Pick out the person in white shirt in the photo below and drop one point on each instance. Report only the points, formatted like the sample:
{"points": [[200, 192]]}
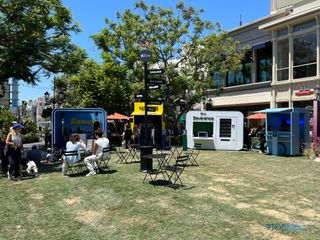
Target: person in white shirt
{"points": [[75, 144], [99, 144]]}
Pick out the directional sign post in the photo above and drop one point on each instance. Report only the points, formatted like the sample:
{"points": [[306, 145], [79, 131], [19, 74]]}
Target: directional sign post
{"points": [[145, 56], [153, 87], [156, 101], [140, 95], [155, 71], [155, 81]]}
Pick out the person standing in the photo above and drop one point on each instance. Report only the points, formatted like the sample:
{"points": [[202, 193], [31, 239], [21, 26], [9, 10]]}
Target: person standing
{"points": [[127, 134], [15, 144], [100, 143], [75, 144]]}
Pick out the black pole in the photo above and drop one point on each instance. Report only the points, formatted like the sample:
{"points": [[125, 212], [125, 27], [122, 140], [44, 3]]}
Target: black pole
{"points": [[145, 142]]}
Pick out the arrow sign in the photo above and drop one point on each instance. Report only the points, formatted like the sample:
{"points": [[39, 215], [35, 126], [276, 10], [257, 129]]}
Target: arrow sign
{"points": [[155, 102], [155, 81], [153, 87], [140, 95], [155, 71], [151, 109]]}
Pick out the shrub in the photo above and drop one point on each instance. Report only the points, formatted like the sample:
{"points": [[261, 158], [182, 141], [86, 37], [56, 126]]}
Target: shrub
{"points": [[30, 137]]}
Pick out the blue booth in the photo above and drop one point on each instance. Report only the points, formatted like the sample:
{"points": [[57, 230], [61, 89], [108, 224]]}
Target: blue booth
{"points": [[287, 130], [83, 121]]}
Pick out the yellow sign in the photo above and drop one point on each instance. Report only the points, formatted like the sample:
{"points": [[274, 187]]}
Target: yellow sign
{"points": [[151, 109]]}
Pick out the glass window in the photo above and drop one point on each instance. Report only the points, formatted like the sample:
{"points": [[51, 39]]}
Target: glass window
{"points": [[264, 63], [282, 32], [305, 25], [305, 55], [283, 60], [225, 127], [244, 76], [217, 77]]}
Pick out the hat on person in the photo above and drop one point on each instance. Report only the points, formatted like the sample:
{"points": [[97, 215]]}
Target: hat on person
{"points": [[34, 146], [17, 125]]}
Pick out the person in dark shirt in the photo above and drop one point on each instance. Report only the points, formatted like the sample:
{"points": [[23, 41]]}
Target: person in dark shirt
{"points": [[34, 154]]}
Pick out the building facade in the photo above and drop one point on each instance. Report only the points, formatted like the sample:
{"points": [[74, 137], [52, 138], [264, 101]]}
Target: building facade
{"points": [[282, 64]]}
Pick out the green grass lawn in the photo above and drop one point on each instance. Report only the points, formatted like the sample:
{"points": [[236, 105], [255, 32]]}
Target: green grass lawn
{"points": [[231, 195]]}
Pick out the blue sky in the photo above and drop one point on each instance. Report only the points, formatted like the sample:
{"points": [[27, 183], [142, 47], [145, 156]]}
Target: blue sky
{"points": [[91, 14]]}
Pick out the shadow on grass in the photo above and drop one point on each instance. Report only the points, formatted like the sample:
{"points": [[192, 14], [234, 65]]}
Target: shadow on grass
{"points": [[84, 173], [167, 183]]}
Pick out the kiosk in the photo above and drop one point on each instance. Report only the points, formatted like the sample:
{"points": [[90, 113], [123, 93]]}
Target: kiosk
{"points": [[155, 124], [83, 121], [215, 129], [287, 130]]}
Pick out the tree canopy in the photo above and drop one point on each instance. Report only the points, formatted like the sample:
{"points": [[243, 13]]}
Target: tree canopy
{"points": [[35, 40], [188, 48]]}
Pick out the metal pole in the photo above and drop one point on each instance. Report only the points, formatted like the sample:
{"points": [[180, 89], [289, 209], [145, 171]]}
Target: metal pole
{"points": [[145, 103]]}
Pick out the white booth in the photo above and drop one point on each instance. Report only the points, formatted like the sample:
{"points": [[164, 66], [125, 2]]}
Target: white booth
{"points": [[221, 130]]}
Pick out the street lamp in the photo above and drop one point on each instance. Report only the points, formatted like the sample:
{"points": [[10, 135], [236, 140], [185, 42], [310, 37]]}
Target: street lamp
{"points": [[46, 97]]}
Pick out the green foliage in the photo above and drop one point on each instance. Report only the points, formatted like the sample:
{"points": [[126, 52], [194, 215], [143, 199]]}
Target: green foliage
{"points": [[98, 86], [30, 137], [187, 47], [30, 127], [6, 118], [35, 39]]}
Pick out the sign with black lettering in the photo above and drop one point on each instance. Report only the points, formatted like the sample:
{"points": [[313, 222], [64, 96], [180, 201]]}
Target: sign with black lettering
{"points": [[155, 81], [155, 71], [153, 87]]}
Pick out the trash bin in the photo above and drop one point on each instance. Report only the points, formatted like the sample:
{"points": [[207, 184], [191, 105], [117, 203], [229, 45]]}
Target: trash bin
{"points": [[145, 163], [184, 140]]}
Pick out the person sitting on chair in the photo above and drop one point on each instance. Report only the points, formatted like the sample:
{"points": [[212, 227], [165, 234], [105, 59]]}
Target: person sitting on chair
{"points": [[75, 144], [99, 144]]}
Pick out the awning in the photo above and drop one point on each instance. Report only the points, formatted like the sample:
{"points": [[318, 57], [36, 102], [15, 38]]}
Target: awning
{"points": [[117, 116], [274, 110], [256, 116]]}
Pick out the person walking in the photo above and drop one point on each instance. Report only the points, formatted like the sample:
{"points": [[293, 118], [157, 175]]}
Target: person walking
{"points": [[15, 144], [100, 143]]}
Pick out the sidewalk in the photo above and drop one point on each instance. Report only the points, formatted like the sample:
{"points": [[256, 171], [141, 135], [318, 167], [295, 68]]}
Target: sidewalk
{"points": [[29, 145]]}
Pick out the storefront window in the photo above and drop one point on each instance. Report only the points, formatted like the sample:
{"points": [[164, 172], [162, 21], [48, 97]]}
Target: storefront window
{"points": [[283, 60], [244, 76], [217, 77], [264, 63], [305, 55]]}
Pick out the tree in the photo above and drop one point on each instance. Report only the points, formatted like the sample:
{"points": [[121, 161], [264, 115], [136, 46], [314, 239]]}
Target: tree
{"points": [[188, 48], [35, 40], [97, 85], [6, 118]]}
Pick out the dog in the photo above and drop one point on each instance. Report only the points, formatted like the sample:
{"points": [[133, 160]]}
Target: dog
{"points": [[32, 169]]}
